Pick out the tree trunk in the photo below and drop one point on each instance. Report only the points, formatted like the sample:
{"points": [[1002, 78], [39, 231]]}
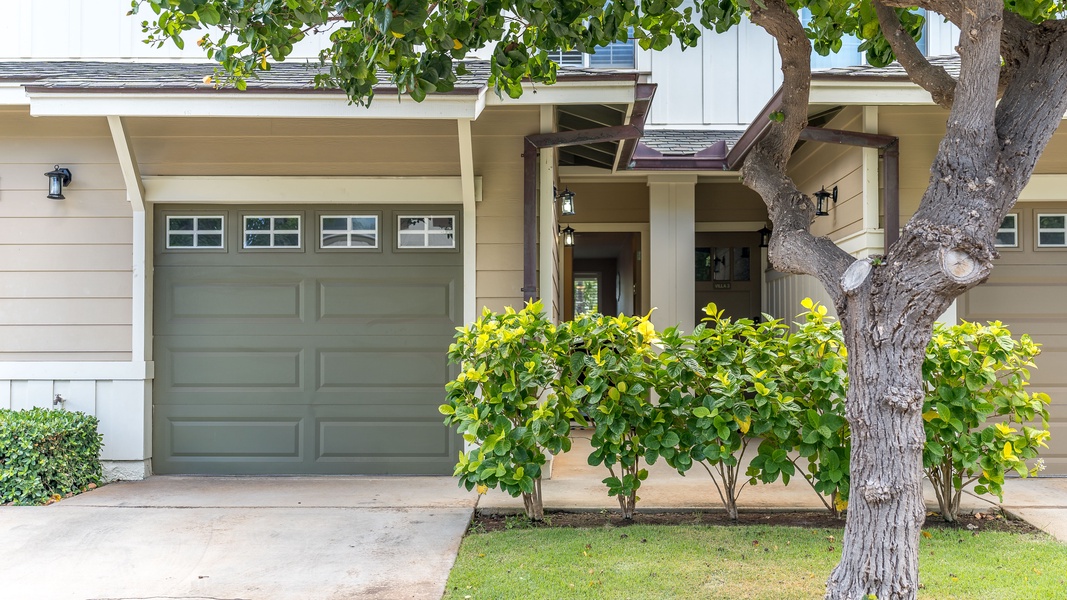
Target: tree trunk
{"points": [[880, 549], [535, 508]]}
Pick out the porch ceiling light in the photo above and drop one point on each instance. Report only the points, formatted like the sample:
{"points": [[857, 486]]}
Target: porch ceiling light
{"points": [[566, 202], [568, 236], [764, 236], [821, 204], [57, 178]]}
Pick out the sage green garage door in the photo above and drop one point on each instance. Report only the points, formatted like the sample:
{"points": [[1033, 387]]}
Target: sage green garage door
{"points": [[313, 340]]}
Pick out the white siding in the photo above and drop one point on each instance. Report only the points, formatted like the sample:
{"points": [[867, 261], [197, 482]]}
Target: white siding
{"points": [[94, 29], [119, 405], [785, 292], [723, 82]]}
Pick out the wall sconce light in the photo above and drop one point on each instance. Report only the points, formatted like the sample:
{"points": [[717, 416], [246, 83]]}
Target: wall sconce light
{"points": [[764, 236], [821, 204], [568, 236], [566, 202], [57, 178]]}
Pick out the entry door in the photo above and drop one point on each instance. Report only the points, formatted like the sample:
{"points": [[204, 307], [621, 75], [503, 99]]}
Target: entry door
{"points": [[728, 273], [304, 339]]}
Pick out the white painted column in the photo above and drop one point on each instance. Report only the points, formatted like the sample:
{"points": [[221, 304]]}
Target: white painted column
{"points": [[672, 289], [547, 265], [871, 187], [470, 221]]}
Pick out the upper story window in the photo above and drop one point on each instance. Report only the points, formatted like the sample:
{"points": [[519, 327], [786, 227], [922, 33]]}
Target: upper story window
{"points": [[849, 55], [616, 55]]}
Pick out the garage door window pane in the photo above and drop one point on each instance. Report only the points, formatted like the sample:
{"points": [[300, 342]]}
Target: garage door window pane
{"points": [[281, 231], [1052, 231], [349, 231], [429, 231], [1008, 234], [194, 232]]}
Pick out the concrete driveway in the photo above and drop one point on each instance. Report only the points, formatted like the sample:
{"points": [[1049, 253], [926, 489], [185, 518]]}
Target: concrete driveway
{"points": [[239, 538]]}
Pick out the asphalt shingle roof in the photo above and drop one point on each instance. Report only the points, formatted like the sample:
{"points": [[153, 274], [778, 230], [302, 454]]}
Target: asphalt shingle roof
{"points": [[951, 64], [687, 142], [176, 76]]}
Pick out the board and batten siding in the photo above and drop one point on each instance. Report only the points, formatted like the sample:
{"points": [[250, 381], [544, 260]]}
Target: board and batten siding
{"points": [[723, 82], [65, 265]]}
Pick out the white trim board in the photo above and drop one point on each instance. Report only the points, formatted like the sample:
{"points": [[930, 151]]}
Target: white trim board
{"points": [[317, 190], [133, 104], [1045, 187], [77, 371], [715, 226]]}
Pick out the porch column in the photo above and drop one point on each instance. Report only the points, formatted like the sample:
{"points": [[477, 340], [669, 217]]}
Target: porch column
{"points": [[671, 199]]}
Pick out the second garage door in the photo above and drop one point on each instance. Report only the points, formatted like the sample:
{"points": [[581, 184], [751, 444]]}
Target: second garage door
{"points": [[296, 339]]}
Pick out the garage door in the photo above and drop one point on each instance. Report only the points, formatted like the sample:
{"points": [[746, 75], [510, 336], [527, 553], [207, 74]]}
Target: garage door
{"points": [[1027, 291], [296, 339]]}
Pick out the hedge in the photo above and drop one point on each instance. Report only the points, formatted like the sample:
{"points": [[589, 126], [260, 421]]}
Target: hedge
{"points": [[44, 453]]}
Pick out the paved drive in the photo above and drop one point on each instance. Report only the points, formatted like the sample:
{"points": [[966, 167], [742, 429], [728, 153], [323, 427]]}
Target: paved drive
{"points": [[254, 538]]}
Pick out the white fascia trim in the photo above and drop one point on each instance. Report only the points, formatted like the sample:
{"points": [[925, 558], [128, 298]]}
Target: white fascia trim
{"points": [[860, 92], [77, 371], [321, 190], [13, 95], [863, 243], [727, 226], [102, 104], [569, 92], [1047, 188]]}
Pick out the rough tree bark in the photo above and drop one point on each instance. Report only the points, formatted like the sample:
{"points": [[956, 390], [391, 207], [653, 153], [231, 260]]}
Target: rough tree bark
{"points": [[887, 308]]}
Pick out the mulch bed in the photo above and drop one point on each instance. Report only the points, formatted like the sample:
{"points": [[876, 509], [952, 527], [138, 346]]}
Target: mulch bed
{"points": [[808, 520]]}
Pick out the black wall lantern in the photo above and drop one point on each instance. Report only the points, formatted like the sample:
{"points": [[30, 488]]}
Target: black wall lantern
{"points": [[57, 178], [821, 204], [566, 202], [764, 236], [568, 236]]}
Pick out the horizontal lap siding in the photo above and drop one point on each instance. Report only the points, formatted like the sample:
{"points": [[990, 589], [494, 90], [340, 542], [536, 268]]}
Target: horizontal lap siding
{"points": [[820, 165], [1026, 291], [497, 139], [65, 265]]}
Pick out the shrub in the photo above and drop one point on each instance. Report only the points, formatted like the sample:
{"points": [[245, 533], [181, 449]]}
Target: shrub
{"points": [[974, 372], [504, 400], [813, 383], [719, 384], [609, 373], [44, 453]]}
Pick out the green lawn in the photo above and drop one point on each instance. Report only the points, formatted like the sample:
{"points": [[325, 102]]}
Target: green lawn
{"points": [[694, 561]]}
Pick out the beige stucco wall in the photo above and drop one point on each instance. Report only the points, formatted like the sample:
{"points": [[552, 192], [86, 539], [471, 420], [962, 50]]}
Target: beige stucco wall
{"points": [[65, 265], [609, 202]]}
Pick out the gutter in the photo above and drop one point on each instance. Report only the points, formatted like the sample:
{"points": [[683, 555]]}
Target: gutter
{"points": [[532, 144]]}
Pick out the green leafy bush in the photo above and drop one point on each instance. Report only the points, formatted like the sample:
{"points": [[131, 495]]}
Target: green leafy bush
{"points": [[812, 382], [505, 401], [974, 372], [719, 385], [610, 373], [44, 453]]}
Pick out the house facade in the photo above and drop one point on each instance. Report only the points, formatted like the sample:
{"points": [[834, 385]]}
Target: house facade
{"points": [[266, 281]]}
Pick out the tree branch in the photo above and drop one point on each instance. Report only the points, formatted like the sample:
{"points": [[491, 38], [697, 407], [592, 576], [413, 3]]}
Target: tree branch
{"points": [[933, 79], [792, 246]]}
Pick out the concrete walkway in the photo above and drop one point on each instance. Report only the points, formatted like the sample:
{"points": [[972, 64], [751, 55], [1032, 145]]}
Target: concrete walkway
{"points": [[256, 538]]}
